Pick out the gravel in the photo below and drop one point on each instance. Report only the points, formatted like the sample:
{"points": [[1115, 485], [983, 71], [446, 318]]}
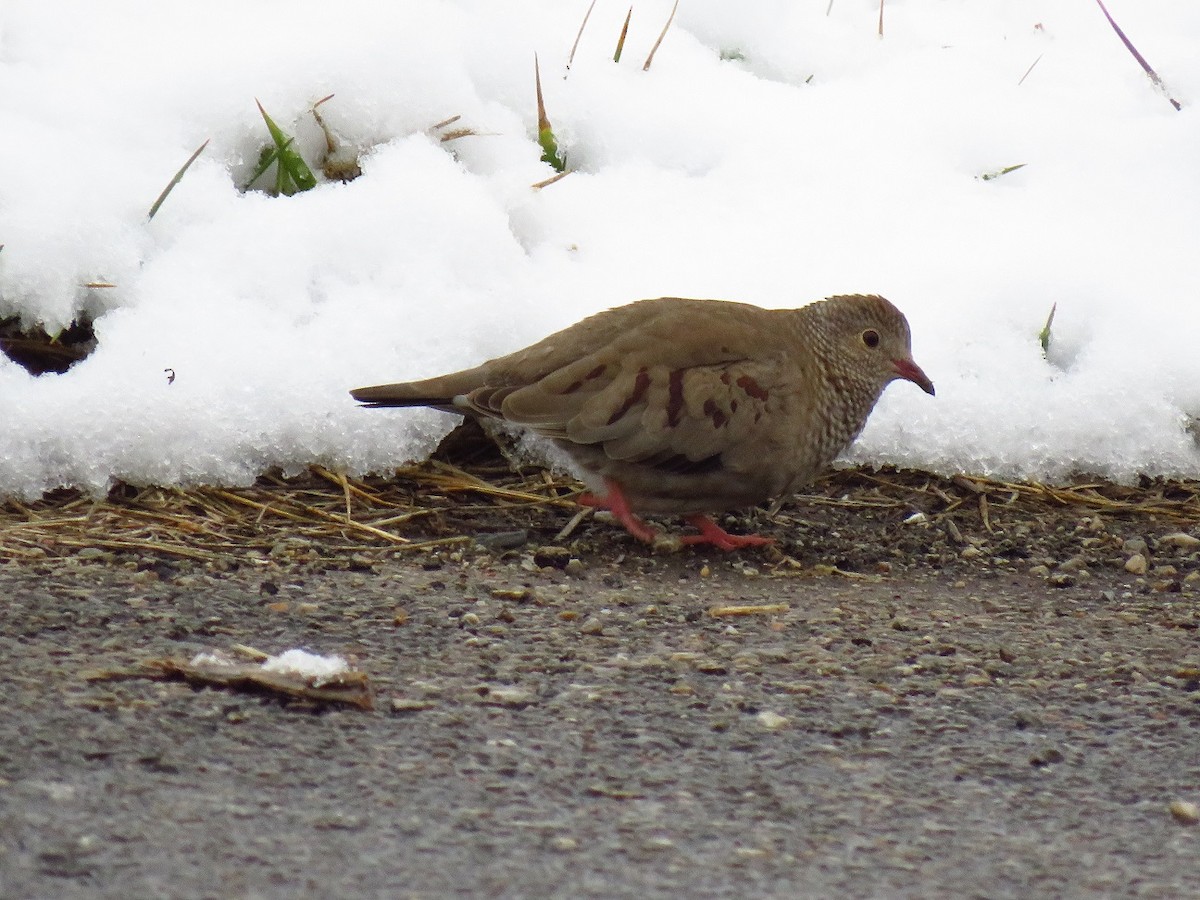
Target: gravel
{"points": [[891, 705]]}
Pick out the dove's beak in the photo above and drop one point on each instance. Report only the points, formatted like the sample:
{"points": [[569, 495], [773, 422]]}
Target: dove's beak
{"points": [[910, 371]]}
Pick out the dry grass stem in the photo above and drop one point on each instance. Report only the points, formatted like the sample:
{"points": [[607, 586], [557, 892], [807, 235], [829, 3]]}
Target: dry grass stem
{"points": [[579, 35], [663, 34]]}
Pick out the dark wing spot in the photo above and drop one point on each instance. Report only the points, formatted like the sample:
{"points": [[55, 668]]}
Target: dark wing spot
{"points": [[641, 384], [718, 418], [675, 398], [752, 388], [595, 373]]}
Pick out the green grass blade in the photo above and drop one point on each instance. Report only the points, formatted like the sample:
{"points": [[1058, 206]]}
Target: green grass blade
{"points": [[174, 181], [992, 176], [1044, 334], [546, 138], [293, 173]]}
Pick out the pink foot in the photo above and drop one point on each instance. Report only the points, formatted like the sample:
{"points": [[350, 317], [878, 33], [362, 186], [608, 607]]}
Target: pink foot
{"points": [[712, 533], [616, 503]]}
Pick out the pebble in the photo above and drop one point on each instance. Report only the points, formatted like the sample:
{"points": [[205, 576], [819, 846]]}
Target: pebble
{"points": [[407, 704], [1136, 564], [591, 625], [1185, 812], [507, 696], [503, 540], [552, 557], [1135, 545], [772, 721], [1180, 539]]}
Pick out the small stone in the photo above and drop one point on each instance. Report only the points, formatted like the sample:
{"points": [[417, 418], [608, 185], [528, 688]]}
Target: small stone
{"points": [[971, 552], [772, 721], [1185, 812], [564, 844], [1061, 579], [1180, 539], [407, 704], [1046, 757], [575, 568], [1039, 571], [1135, 545], [503, 540], [520, 595], [1136, 564], [658, 843], [506, 696], [469, 618], [591, 625], [749, 852], [552, 557]]}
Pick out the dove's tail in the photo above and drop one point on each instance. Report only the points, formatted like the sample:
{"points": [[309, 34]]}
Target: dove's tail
{"points": [[403, 394], [439, 392]]}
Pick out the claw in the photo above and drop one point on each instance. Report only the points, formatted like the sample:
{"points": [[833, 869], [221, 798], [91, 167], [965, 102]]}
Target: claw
{"points": [[712, 533]]}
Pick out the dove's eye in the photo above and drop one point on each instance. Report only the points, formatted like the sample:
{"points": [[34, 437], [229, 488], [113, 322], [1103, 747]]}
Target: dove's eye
{"points": [[870, 337]]}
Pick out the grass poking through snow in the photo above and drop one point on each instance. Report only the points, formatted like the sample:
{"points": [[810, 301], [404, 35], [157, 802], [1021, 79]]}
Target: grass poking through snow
{"points": [[546, 138], [292, 174], [1044, 334], [621, 39], [1158, 82], [992, 176], [174, 181], [654, 49]]}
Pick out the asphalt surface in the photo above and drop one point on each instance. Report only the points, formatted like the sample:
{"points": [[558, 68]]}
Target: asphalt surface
{"points": [[948, 724]]}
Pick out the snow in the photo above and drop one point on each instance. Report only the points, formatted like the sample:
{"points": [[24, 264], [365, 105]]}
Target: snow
{"points": [[303, 664], [298, 663], [821, 159]]}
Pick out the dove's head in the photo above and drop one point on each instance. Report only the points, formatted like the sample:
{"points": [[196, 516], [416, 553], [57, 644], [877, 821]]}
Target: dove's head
{"points": [[870, 337]]}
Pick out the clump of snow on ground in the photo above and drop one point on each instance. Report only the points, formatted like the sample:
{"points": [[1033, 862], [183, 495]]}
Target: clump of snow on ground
{"points": [[306, 665], [772, 154]]}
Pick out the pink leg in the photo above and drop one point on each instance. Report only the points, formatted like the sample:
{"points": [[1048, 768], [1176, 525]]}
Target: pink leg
{"points": [[616, 503], [712, 533]]}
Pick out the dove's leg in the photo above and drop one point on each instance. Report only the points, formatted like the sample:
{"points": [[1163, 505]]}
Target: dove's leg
{"points": [[616, 503], [712, 533]]}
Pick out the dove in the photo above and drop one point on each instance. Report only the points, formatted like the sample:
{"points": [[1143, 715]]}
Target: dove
{"points": [[688, 407]]}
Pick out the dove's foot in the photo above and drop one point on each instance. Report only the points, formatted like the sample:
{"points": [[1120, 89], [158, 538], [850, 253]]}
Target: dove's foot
{"points": [[712, 533], [616, 503]]}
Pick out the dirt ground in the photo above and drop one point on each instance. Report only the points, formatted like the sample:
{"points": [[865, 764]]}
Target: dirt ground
{"points": [[931, 695]]}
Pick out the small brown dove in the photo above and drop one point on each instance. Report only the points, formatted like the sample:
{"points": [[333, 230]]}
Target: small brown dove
{"points": [[690, 407]]}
